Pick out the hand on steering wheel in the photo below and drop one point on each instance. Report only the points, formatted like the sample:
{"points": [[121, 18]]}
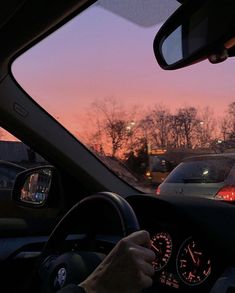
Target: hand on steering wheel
{"points": [[128, 267], [131, 255]]}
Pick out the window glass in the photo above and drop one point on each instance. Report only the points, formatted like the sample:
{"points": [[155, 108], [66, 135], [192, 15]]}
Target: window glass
{"points": [[97, 75], [201, 171], [15, 157]]}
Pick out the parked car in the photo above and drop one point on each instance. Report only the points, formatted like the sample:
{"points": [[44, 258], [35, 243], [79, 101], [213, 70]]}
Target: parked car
{"points": [[208, 176]]}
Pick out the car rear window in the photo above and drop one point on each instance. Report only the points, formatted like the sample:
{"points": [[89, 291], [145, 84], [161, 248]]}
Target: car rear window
{"points": [[201, 170]]}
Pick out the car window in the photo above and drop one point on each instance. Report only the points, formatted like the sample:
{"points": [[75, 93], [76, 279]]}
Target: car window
{"points": [[201, 171], [8, 175], [16, 157], [97, 75]]}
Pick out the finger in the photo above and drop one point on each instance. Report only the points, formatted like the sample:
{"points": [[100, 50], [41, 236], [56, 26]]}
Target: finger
{"points": [[147, 269], [140, 238], [143, 253], [145, 281]]}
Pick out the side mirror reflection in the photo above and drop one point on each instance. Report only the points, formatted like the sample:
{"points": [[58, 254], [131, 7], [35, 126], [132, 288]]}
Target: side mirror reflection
{"points": [[36, 187]]}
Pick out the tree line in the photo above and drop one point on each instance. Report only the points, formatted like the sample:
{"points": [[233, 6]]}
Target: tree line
{"points": [[119, 131]]}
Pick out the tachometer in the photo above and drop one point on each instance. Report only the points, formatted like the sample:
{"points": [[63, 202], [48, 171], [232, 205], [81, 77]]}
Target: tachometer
{"points": [[193, 265], [162, 247]]}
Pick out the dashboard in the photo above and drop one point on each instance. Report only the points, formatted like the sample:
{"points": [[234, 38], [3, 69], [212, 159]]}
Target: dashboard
{"points": [[192, 239], [180, 262]]}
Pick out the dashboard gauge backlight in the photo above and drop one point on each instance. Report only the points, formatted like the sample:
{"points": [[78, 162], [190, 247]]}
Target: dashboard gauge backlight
{"points": [[161, 244], [169, 279], [193, 265]]}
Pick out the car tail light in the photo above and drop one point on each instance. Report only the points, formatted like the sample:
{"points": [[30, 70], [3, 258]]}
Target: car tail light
{"points": [[158, 191], [226, 193]]}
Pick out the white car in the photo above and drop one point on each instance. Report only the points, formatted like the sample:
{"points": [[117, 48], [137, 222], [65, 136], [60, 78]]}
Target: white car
{"points": [[208, 176]]}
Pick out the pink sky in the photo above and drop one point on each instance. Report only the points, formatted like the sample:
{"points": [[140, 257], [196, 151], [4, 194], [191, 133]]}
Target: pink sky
{"points": [[100, 55]]}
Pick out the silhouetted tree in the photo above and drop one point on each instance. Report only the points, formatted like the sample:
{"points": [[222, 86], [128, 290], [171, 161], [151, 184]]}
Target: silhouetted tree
{"points": [[113, 128], [206, 127], [162, 126], [187, 122]]}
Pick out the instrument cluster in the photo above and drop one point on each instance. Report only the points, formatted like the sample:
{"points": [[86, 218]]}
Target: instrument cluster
{"points": [[181, 264]]}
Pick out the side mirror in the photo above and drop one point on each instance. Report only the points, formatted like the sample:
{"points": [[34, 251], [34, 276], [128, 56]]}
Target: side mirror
{"points": [[32, 187], [197, 30]]}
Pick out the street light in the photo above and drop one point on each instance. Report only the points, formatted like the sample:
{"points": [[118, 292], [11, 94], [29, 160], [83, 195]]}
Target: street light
{"points": [[130, 125]]}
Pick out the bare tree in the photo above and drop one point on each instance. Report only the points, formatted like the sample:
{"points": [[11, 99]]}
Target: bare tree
{"points": [[146, 127], [110, 131], [162, 124], [187, 123], [117, 131], [177, 140], [171, 130], [206, 128], [120, 132], [229, 121], [225, 128]]}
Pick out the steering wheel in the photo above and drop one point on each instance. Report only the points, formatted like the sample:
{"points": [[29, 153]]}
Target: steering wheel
{"points": [[60, 267]]}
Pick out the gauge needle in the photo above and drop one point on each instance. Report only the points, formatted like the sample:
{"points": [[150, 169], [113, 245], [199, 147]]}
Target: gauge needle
{"points": [[191, 254], [155, 248]]}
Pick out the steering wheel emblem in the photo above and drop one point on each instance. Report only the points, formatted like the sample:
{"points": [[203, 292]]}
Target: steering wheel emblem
{"points": [[60, 278]]}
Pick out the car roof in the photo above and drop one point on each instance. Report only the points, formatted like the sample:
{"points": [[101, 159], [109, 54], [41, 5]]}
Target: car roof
{"points": [[222, 155]]}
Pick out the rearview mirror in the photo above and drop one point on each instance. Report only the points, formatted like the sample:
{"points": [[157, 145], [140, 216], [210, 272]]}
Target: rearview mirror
{"points": [[198, 29]]}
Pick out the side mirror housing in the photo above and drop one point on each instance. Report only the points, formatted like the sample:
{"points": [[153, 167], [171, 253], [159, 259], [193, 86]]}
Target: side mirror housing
{"points": [[33, 186]]}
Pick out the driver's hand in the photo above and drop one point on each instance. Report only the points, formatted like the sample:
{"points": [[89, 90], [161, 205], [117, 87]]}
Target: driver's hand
{"points": [[127, 268]]}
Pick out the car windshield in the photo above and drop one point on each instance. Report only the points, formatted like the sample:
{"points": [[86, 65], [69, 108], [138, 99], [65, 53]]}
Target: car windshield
{"points": [[97, 75]]}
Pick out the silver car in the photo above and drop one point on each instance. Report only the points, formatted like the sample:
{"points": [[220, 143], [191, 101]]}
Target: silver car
{"points": [[209, 176]]}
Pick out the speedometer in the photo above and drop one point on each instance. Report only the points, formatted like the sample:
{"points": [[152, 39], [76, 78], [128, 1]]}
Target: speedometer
{"points": [[161, 244], [193, 265]]}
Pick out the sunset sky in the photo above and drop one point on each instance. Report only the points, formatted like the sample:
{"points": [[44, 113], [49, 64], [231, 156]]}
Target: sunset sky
{"points": [[99, 54]]}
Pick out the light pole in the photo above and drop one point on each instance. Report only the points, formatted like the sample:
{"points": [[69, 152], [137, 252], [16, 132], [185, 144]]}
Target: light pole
{"points": [[129, 129], [202, 133]]}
